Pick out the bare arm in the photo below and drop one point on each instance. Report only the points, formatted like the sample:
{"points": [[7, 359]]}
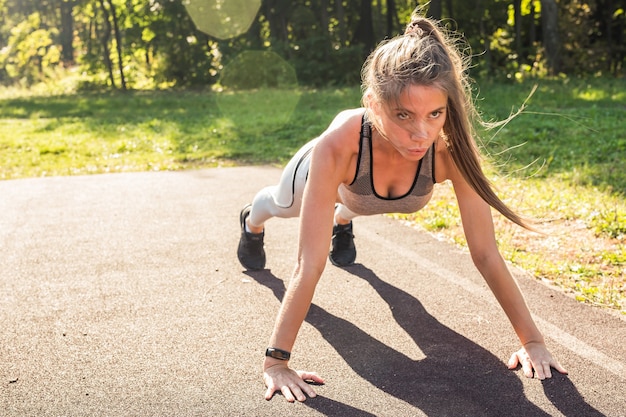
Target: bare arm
{"points": [[328, 169], [480, 235]]}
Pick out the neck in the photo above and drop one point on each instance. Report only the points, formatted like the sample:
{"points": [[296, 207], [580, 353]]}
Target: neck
{"points": [[384, 146]]}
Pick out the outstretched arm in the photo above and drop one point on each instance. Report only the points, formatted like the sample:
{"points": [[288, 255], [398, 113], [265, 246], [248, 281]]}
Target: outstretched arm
{"points": [[329, 167], [480, 235]]}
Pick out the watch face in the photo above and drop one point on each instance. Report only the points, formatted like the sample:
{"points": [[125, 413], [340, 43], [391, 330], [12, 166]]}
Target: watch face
{"points": [[277, 354]]}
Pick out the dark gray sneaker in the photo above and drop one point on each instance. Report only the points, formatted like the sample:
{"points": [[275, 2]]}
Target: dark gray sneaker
{"points": [[343, 251], [250, 251]]}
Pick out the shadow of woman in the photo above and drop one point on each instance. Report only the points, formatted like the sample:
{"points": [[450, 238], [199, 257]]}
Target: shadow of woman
{"points": [[457, 377]]}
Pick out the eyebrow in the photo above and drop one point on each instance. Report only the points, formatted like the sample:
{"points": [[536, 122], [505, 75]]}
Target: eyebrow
{"points": [[409, 111]]}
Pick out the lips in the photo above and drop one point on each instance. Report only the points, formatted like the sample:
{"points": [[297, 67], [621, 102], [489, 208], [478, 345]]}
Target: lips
{"points": [[417, 151]]}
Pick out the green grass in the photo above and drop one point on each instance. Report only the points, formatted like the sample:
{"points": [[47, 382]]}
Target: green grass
{"points": [[95, 133], [571, 129], [562, 160]]}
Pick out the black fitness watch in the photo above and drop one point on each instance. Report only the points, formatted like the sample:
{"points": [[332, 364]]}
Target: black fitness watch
{"points": [[279, 354]]}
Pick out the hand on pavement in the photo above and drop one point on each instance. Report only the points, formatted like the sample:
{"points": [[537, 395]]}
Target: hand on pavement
{"points": [[292, 384], [535, 355]]}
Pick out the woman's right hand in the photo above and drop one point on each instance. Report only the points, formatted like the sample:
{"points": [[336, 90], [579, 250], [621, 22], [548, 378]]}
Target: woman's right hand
{"points": [[292, 384]]}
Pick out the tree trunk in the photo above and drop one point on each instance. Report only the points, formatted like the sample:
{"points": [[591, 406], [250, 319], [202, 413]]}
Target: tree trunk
{"points": [[620, 53], [532, 30], [106, 36], [275, 14], [517, 17], [392, 17], [67, 32], [341, 19], [324, 19], [325, 29], [364, 33], [550, 29], [118, 44], [608, 14]]}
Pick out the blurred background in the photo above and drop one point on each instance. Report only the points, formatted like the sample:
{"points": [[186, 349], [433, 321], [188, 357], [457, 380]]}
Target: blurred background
{"points": [[138, 44]]}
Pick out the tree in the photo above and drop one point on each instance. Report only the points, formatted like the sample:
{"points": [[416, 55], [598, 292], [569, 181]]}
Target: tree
{"points": [[128, 43], [66, 37], [30, 51], [550, 31], [392, 17], [118, 43], [106, 37], [517, 17], [364, 33], [611, 19], [341, 22]]}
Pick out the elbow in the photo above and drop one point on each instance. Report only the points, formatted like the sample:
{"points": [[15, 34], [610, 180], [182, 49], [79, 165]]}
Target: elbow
{"points": [[309, 269], [486, 259]]}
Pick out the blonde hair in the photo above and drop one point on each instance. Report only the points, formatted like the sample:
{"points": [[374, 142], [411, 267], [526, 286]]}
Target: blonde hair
{"points": [[425, 55]]}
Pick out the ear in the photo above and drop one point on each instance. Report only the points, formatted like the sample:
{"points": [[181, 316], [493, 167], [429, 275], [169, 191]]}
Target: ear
{"points": [[374, 105]]}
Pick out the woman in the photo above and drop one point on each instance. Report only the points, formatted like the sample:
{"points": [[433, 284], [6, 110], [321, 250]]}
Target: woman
{"points": [[414, 130]]}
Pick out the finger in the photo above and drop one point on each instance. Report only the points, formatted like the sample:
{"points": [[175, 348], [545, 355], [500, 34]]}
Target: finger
{"points": [[540, 370], [287, 394], [527, 368], [556, 365], [269, 394], [514, 361], [297, 392], [308, 390], [311, 376], [522, 358], [547, 371]]}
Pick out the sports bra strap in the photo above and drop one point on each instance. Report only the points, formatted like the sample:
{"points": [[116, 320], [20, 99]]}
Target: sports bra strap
{"points": [[366, 128]]}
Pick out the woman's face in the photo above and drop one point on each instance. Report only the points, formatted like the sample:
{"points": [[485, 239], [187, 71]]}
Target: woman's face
{"points": [[414, 122]]}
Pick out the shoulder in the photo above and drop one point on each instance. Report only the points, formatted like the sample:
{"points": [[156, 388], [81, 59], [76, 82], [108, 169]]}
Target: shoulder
{"points": [[342, 135], [338, 146], [346, 122]]}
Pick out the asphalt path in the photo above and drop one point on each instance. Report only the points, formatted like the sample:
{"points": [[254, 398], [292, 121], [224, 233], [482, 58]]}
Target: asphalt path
{"points": [[121, 295]]}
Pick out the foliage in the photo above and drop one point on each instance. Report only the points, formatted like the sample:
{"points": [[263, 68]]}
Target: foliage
{"points": [[29, 52], [156, 44]]}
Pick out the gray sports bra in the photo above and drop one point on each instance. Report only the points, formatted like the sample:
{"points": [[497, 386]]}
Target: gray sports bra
{"points": [[360, 196]]}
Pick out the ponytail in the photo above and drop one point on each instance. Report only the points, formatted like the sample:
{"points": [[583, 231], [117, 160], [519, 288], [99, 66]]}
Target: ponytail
{"points": [[458, 130]]}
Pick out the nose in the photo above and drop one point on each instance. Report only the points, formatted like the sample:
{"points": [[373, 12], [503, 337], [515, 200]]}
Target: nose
{"points": [[419, 134], [419, 131]]}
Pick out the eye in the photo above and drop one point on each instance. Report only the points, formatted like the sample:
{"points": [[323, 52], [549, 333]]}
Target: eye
{"points": [[436, 113], [403, 116]]}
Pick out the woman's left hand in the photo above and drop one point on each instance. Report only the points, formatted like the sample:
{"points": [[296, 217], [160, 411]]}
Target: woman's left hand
{"points": [[535, 355]]}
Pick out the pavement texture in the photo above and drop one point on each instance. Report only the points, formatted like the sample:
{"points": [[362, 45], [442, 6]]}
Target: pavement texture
{"points": [[121, 295]]}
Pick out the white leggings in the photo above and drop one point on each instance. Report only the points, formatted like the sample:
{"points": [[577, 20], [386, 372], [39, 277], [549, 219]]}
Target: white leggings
{"points": [[285, 199]]}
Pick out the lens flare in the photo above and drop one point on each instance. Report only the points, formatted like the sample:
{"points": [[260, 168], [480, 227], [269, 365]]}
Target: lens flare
{"points": [[222, 19], [261, 86]]}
